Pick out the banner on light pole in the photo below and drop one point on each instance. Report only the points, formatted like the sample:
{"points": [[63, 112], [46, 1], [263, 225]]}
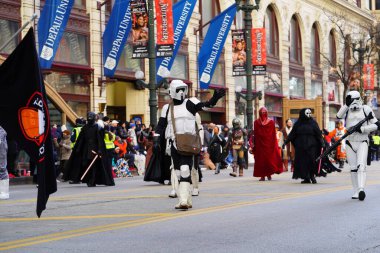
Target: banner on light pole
{"points": [[51, 26], [368, 76], [213, 45], [115, 36], [140, 29], [239, 56], [164, 23], [182, 11], [259, 53]]}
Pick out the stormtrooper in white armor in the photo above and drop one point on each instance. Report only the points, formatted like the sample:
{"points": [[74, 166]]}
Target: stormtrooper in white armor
{"points": [[357, 143], [185, 117]]}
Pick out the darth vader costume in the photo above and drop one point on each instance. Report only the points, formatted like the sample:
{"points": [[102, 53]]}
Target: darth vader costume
{"points": [[307, 140], [90, 143]]}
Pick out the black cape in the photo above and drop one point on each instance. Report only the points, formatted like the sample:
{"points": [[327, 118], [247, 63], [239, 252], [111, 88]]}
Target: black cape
{"points": [[307, 140], [158, 168], [100, 173]]}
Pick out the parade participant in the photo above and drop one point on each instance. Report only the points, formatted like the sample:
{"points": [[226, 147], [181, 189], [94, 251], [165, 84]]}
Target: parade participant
{"points": [[288, 151], [79, 122], [196, 174], [307, 140], [357, 143], [336, 134], [90, 143], [265, 147], [182, 115], [215, 149], [4, 178], [279, 138], [65, 150], [237, 143]]}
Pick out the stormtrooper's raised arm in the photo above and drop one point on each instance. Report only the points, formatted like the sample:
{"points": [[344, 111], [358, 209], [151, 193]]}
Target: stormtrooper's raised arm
{"points": [[193, 105]]}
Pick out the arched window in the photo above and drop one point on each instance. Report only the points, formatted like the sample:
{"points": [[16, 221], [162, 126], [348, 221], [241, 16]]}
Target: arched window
{"points": [[295, 41], [271, 30], [315, 51], [332, 49]]}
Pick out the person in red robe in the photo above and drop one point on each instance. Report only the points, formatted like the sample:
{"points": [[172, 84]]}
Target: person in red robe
{"points": [[265, 148]]}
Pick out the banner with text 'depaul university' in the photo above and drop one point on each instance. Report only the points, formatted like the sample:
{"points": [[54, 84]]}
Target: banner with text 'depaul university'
{"points": [[213, 45], [51, 26], [116, 34]]}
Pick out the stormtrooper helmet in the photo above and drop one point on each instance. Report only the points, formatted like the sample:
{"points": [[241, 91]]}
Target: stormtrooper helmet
{"points": [[308, 113], [236, 123], [357, 101], [178, 90]]}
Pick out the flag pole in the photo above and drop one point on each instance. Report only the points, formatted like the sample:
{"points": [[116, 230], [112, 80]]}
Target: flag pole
{"points": [[34, 16]]}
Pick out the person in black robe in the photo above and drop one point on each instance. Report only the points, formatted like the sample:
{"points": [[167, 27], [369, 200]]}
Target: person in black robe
{"points": [[89, 144], [216, 148], [307, 140]]}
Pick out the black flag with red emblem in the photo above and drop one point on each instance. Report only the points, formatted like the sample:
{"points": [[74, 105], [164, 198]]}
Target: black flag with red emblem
{"points": [[24, 113]]}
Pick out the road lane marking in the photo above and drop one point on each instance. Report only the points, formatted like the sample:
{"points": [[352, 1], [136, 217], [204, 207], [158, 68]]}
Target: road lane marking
{"points": [[139, 222], [80, 217]]}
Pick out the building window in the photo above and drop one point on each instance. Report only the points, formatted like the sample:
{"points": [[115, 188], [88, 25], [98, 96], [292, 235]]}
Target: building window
{"points": [[274, 105], [273, 82], [377, 5], [296, 86], [69, 83], [126, 63], [8, 29], [295, 42], [208, 9], [219, 75], [314, 56], [271, 30], [316, 89], [332, 49], [80, 3], [73, 49], [74, 89], [179, 68], [359, 3]]}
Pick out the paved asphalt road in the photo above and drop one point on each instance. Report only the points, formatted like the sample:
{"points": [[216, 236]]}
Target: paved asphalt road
{"points": [[230, 215]]}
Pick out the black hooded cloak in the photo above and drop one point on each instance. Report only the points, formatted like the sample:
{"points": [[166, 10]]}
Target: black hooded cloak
{"points": [[90, 138], [307, 140]]}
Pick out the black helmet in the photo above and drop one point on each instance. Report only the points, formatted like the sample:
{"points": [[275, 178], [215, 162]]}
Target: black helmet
{"points": [[79, 122], [91, 117]]}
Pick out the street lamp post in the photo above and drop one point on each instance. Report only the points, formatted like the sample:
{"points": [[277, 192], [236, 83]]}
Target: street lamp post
{"points": [[247, 8], [152, 67]]}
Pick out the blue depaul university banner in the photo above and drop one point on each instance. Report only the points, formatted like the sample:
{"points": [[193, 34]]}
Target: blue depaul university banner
{"points": [[182, 11], [213, 44], [51, 25], [115, 35]]}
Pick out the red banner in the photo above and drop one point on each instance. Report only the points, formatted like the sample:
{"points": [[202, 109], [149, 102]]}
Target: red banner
{"points": [[165, 30], [368, 76], [259, 54]]}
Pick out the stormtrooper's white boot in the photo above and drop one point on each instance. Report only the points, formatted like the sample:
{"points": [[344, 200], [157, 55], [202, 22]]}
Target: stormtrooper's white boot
{"points": [[354, 180], [183, 196], [4, 189], [174, 182], [362, 177], [195, 181]]}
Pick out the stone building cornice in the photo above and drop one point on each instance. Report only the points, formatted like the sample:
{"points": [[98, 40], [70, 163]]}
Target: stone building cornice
{"points": [[345, 5]]}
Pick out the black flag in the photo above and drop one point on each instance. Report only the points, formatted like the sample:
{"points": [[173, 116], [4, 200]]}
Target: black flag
{"points": [[24, 113]]}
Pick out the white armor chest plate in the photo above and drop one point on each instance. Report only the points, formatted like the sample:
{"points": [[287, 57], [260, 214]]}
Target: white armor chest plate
{"points": [[354, 117], [184, 121]]}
